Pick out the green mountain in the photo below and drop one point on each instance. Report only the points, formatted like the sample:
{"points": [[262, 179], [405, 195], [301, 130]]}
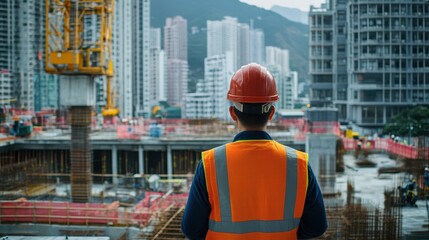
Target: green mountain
{"points": [[279, 31], [292, 14]]}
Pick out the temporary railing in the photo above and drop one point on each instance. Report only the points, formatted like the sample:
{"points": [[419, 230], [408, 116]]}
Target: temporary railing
{"points": [[58, 212], [387, 145], [154, 203]]}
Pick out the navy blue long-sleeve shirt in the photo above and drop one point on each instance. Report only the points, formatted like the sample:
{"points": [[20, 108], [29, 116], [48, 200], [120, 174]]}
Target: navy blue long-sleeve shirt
{"points": [[196, 217]]}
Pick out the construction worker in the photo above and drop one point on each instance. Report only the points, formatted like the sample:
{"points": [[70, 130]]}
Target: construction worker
{"points": [[253, 187], [410, 193], [426, 177]]}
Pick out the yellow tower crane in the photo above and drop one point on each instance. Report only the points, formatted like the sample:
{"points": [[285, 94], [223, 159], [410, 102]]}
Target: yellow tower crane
{"points": [[74, 54], [69, 53], [109, 111]]}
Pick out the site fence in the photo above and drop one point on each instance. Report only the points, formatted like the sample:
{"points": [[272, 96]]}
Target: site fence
{"points": [[390, 146]]}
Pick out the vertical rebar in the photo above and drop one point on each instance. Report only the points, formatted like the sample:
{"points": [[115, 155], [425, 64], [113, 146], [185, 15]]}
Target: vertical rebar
{"points": [[81, 154]]}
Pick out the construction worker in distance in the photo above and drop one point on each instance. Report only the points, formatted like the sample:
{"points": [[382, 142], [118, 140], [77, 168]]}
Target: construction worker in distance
{"points": [[426, 177], [254, 187]]}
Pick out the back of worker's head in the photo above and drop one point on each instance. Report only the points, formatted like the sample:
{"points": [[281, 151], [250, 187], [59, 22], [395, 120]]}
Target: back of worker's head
{"points": [[252, 92]]}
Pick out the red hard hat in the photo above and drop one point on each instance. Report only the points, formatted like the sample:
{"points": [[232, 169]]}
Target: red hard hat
{"points": [[252, 83]]}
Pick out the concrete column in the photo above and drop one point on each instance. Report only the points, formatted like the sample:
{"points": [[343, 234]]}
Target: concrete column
{"points": [[321, 149], [78, 93], [169, 162], [115, 164], [141, 160]]}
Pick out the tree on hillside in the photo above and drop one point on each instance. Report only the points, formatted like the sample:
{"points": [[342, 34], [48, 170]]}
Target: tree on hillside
{"points": [[410, 122]]}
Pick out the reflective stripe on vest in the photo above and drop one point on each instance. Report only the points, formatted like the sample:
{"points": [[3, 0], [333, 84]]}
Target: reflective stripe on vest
{"points": [[226, 225]]}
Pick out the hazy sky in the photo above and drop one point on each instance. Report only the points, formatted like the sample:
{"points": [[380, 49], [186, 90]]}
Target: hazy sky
{"points": [[303, 5]]}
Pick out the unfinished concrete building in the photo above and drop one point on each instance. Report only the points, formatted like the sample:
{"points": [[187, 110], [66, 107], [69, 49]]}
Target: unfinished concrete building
{"points": [[375, 65]]}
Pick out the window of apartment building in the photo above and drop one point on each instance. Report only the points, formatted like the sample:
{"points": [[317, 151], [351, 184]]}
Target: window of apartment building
{"points": [[363, 22], [341, 29], [355, 10], [327, 35], [395, 9], [363, 9], [327, 20], [341, 15], [372, 9], [368, 114]]}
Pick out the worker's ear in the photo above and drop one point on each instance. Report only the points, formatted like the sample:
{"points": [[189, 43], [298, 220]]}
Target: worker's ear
{"points": [[232, 113], [272, 111]]}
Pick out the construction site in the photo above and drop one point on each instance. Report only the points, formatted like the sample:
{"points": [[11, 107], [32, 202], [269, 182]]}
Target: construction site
{"points": [[135, 185], [78, 178]]}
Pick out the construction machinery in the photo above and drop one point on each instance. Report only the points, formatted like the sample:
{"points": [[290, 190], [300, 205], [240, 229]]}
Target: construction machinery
{"points": [[80, 57], [349, 133], [21, 126], [109, 111]]}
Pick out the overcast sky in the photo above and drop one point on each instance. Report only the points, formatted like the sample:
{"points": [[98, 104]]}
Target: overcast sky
{"points": [[303, 5]]}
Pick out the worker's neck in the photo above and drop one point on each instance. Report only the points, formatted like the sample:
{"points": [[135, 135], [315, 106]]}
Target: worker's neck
{"points": [[252, 129], [242, 128]]}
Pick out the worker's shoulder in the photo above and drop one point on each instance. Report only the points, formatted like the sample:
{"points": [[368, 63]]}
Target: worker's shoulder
{"points": [[291, 148]]}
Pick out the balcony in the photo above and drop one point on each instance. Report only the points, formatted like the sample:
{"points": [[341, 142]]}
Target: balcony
{"points": [[321, 86], [321, 71]]}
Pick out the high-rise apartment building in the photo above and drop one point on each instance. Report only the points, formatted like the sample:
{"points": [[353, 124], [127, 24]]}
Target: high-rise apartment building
{"points": [[141, 58], [244, 51], [6, 96], [320, 56], [177, 81], [277, 56], [228, 35], [122, 55], [46, 91], [257, 46], [370, 59], [22, 46], [210, 99], [277, 62], [176, 38], [5, 35], [176, 52], [222, 37], [6, 84], [198, 105], [157, 90]]}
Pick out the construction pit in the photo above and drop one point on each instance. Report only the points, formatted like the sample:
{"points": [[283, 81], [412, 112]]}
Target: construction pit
{"points": [[35, 191]]}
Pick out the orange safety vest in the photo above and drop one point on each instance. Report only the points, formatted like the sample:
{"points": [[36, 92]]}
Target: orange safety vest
{"points": [[256, 190]]}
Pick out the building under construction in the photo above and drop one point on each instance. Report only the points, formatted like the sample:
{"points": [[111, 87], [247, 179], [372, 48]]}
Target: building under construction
{"points": [[138, 183]]}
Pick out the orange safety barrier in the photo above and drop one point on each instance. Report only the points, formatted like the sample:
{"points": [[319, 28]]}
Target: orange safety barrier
{"points": [[317, 127], [58, 212], [21, 211], [6, 139], [387, 145]]}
